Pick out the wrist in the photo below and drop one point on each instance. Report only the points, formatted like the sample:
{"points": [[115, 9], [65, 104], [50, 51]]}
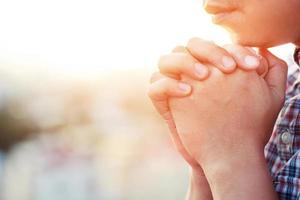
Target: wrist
{"points": [[227, 166], [242, 175], [199, 188], [230, 150]]}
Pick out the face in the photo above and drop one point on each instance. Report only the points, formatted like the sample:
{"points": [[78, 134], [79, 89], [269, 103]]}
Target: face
{"points": [[260, 23]]}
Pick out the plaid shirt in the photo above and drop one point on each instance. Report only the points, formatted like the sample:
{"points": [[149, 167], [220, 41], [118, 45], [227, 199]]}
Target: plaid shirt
{"points": [[283, 150]]}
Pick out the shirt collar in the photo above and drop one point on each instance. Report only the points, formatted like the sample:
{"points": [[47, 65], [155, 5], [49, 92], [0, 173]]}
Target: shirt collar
{"points": [[297, 55]]}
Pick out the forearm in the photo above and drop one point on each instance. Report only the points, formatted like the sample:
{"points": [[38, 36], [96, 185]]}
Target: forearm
{"points": [[198, 188], [241, 176]]}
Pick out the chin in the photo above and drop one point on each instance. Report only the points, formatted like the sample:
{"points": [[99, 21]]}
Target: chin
{"points": [[254, 41]]}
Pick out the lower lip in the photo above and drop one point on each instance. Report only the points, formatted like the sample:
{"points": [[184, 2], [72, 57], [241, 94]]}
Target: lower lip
{"points": [[220, 17]]}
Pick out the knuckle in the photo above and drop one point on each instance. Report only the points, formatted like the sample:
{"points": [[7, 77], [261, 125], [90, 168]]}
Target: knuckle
{"points": [[180, 60], [186, 62], [150, 92], [198, 41], [154, 77], [164, 83], [282, 63], [155, 92], [194, 41], [161, 61], [202, 47], [174, 63], [231, 47], [157, 87], [179, 48]]}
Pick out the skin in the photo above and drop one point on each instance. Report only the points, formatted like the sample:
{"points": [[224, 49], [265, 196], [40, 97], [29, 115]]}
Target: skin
{"points": [[261, 23], [199, 187], [213, 127], [251, 24]]}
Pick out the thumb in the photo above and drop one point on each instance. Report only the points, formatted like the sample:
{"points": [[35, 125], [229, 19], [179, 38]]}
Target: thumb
{"points": [[277, 73]]}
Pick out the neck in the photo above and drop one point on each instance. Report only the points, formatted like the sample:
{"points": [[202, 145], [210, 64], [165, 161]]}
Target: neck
{"points": [[297, 43]]}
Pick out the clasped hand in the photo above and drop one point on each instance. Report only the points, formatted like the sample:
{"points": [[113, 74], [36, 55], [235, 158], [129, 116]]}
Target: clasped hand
{"points": [[220, 103]]}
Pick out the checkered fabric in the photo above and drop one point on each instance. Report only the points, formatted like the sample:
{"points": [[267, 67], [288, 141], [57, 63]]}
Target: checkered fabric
{"points": [[283, 150]]}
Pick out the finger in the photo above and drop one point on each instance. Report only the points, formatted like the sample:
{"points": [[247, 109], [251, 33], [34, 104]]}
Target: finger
{"points": [[179, 146], [156, 76], [167, 87], [163, 107], [277, 74], [161, 90], [180, 49], [245, 58], [263, 68], [206, 51], [176, 64]]}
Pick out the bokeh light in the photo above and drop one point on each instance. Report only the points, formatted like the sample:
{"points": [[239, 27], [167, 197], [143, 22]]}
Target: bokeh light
{"points": [[75, 121]]}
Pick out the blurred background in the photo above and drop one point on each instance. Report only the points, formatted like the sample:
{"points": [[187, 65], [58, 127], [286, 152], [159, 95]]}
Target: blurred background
{"points": [[75, 120]]}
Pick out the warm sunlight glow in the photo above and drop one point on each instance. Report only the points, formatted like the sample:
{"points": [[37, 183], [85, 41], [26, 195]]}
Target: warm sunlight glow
{"points": [[87, 35], [93, 34]]}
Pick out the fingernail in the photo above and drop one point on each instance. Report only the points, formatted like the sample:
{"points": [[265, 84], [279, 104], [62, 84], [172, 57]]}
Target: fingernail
{"points": [[251, 61], [228, 62], [184, 87], [201, 70]]}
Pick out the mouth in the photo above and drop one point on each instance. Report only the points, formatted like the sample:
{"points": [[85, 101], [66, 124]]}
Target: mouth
{"points": [[218, 8], [219, 12], [221, 17]]}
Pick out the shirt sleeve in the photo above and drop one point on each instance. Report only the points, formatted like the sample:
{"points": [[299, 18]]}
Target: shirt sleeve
{"points": [[283, 151], [287, 180]]}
